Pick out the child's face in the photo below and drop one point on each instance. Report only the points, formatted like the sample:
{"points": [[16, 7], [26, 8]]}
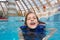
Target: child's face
{"points": [[32, 21]]}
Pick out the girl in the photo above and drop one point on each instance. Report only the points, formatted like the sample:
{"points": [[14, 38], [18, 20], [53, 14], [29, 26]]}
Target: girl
{"points": [[33, 28]]}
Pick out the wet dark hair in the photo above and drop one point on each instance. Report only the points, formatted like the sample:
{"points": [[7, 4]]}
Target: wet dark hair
{"points": [[36, 17]]}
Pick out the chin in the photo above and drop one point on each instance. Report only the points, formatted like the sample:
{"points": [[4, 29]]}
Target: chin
{"points": [[32, 27]]}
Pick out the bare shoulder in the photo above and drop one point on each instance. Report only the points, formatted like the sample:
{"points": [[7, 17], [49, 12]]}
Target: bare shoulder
{"points": [[54, 29], [20, 34], [42, 24]]}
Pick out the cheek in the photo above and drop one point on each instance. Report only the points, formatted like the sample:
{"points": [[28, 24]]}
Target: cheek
{"points": [[36, 20], [28, 22]]}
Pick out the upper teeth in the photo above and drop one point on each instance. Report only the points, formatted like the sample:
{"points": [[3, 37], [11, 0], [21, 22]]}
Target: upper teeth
{"points": [[32, 23]]}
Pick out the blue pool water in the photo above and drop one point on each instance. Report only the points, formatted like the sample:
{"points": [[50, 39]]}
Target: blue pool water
{"points": [[9, 29]]}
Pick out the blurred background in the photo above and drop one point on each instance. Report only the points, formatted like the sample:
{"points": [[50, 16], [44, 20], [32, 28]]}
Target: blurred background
{"points": [[13, 12]]}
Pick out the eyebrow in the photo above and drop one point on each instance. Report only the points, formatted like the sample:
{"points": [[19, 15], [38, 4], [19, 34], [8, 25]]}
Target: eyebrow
{"points": [[28, 17]]}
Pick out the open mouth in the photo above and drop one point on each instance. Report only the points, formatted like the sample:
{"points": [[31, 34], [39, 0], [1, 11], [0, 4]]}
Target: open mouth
{"points": [[32, 23]]}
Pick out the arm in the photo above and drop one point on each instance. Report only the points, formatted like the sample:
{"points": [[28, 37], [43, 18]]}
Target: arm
{"points": [[20, 34], [52, 31]]}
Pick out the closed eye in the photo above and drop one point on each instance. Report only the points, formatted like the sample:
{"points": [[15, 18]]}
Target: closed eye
{"points": [[28, 19]]}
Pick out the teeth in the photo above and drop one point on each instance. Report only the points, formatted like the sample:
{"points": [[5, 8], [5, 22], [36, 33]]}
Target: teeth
{"points": [[32, 23]]}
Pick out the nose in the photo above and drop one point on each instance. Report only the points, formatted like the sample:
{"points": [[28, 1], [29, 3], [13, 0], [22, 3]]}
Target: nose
{"points": [[32, 19]]}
